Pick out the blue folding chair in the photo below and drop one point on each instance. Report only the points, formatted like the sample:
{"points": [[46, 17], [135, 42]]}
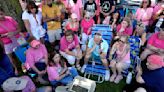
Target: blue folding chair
{"points": [[96, 68]]}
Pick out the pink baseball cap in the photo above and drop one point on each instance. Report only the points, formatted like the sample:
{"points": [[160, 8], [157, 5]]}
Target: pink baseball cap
{"points": [[156, 59], [34, 43]]}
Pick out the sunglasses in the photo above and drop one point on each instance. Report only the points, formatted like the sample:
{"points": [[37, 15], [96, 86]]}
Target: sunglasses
{"points": [[121, 41], [87, 17]]}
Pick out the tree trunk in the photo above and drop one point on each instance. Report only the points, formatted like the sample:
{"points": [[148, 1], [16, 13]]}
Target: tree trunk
{"points": [[12, 8]]}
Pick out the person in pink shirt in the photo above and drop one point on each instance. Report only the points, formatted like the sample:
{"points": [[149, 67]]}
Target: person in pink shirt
{"points": [[122, 60], [72, 24], [74, 6], [58, 71], [86, 25], [155, 45], [36, 59], [157, 8], [125, 28], [144, 13], [70, 48], [9, 28]]}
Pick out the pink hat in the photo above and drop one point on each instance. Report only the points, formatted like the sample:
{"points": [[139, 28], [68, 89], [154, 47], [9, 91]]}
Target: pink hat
{"points": [[73, 15], [34, 43], [155, 59]]}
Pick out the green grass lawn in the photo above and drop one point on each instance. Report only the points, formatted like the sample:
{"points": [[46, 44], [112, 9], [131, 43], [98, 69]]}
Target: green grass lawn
{"points": [[110, 87]]}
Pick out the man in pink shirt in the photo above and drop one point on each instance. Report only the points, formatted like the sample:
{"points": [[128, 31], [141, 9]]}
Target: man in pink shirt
{"points": [[70, 48], [155, 45], [36, 59]]}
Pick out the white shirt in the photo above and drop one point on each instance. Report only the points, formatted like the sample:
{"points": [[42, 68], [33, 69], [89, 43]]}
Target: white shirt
{"points": [[31, 19]]}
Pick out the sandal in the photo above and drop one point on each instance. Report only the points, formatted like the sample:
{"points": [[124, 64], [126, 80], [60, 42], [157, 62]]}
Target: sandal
{"points": [[118, 78], [112, 77]]}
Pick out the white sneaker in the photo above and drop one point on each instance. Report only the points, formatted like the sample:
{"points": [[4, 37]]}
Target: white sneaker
{"points": [[83, 68], [107, 75]]}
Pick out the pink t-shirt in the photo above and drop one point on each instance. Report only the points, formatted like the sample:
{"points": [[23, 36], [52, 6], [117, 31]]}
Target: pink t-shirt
{"points": [[10, 25], [35, 55], [30, 84], [75, 8], [64, 44], [156, 8], [128, 31], [86, 25], [155, 41], [144, 15], [68, 27], [53, 72], [125, 59]]}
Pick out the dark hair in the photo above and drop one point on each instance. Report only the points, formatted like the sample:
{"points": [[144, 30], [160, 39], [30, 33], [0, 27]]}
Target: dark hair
{"points": [[159, 1], [30, 5], [75, 1], [118, 19], [51, 61], [69, 33], [1, 9], [149, 1]]}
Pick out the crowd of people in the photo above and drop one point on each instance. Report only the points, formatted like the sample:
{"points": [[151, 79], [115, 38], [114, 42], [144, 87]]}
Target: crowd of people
{"points": [[67, 25]]}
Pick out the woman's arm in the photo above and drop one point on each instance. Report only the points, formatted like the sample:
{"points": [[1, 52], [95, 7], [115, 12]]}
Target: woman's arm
{"points": [[143, 38], [64, 69], [27, 25]]}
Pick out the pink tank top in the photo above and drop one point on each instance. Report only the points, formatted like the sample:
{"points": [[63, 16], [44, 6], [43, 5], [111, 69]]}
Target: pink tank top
{"points": [[119, 53], [68, 27]]}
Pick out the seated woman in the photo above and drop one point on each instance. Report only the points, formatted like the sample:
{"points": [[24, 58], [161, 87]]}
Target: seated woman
{"points": [[72, 24], [139, 31], [122, 60], [36, 59], [58, 71], [113, 20], [70, 48], [125, 28], [154, 45], [86, 25]]}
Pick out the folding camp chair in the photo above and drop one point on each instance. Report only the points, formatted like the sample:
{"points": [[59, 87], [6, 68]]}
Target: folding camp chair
{"points": [[134, 42], [96, 68]]}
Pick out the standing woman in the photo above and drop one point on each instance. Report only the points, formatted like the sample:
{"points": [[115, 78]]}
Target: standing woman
{"points": [[144, 13], [75, 6], [32, 18], [9, 28]]}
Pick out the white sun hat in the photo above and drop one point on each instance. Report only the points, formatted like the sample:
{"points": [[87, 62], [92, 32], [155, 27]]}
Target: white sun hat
{"points": [[14, 84]]}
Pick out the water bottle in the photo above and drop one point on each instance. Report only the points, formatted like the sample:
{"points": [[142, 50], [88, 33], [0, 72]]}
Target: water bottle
{"points": [[129, 78]]}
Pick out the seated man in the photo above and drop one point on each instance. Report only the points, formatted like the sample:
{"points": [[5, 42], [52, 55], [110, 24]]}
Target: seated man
{"points": [[152, 79], [97, 48], [70, 48], [155, 45], [36, 59]]}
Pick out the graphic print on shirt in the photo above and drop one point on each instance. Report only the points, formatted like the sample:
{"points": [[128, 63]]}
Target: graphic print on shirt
{"points": [[71, 45], [106, 6], [91, 8]]}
